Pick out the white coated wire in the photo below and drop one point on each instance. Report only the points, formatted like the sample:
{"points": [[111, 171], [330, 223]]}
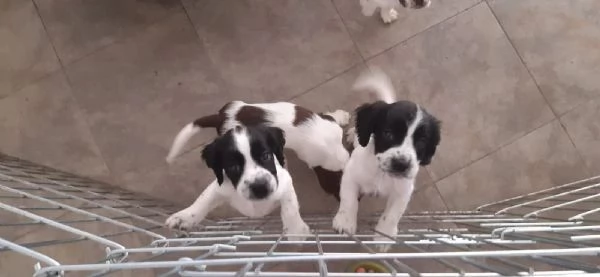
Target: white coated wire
{"points": [[554, 232]]}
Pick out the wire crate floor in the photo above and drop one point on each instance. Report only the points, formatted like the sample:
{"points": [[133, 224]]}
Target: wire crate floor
{"points": [[55, 223]]}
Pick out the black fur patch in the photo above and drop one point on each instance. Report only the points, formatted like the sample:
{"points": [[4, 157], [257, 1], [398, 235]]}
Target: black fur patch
{"points": [[389, 123], [223, 155]]}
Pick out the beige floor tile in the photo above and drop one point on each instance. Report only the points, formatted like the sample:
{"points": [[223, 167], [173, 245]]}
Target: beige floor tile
{"points": [[273, 49], [44, 125], [475, 84], [584, 129], [560, 43], [372, 36], [80, 27], [541, 159], [26, 52], [139, 93]]}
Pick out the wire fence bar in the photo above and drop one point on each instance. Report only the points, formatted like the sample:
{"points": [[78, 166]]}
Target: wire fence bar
{"points": [[46, 215]]}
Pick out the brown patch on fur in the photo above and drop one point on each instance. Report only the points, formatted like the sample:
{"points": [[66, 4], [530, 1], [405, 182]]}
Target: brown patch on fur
{"points": [[329, 180], [211, 121], [302, 115], [327, 117], [250, 116]]}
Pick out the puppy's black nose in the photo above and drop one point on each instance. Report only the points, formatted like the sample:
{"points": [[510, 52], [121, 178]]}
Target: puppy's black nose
{"points": [[399, 165], [259, 189]]}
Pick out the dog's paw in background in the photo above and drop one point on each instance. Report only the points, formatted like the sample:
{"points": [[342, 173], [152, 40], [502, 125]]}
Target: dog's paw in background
{"points": [[183, 220], [388, 15], [344, 223]]}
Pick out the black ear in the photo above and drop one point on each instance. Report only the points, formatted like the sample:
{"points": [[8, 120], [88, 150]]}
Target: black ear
{"points": [[277, 142], [427, 138], [366, 116], [213, 160]]}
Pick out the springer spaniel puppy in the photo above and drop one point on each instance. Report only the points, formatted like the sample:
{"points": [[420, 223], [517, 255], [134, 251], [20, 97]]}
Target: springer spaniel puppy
{"points": [[317, 139], [391, 139], [249, 165], [387, 8]]}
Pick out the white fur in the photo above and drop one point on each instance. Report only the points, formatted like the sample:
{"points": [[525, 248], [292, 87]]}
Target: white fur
{"points": [[387, 9], [180, 140], [318, 142], [215, 195], [363, 174]]}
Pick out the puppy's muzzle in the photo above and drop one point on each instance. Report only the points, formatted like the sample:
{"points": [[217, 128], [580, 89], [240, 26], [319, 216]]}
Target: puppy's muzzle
{"points": [[260, 189], [399, 165]]}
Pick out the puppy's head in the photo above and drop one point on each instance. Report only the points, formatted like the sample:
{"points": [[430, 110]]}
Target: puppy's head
{"points": [[405, 135], [249, 158]]}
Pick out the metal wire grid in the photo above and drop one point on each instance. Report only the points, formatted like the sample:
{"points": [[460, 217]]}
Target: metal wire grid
{"points": [[65, 224]]}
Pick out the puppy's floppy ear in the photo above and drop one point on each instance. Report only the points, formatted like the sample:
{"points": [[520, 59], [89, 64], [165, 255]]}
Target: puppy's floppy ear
{"points": [[366, 117], [427, 138], [212, 159], [276, 140]]}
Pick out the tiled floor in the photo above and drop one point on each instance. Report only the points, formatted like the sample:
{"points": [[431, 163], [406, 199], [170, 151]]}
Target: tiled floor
{"points": [[100, 88]]}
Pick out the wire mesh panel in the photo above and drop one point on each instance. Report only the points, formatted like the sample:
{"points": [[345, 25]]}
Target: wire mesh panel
{"points": [[53, 223]]}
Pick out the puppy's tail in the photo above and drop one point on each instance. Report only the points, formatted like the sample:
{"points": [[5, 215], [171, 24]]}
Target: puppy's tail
{"points": [[214, 121], [376, 81]]}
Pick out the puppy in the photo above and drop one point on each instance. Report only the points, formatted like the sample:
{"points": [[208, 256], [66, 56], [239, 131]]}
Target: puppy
{"points": [[317, 139], [392, 139], [249, 165], [387, 8]]}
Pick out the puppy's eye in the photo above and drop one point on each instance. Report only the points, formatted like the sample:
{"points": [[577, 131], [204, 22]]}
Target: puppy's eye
{"points": [[388, 135], [265, 157]]}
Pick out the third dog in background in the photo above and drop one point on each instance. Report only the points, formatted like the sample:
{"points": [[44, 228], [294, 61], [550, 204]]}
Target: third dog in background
{"points": [[387, 8]]}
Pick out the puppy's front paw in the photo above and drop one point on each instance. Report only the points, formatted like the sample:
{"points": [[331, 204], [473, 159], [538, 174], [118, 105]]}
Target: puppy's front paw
{"points": [[183, 220], [389, 15], [297, 231], [385, 247], [344, 223]]}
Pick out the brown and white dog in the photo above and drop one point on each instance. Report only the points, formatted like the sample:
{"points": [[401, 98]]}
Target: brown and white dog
{"points": [[317, 139]]}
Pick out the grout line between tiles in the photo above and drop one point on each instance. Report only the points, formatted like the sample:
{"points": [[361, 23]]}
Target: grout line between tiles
{"points": [[554, 112], [423, 31], [495, 150], [133, 34], [325, 81], [348, 31], [441, 195], [77, 107]]}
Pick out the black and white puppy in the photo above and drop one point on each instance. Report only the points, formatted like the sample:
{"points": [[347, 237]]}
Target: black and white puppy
{"points": [[391, 139], [387, 8], [317, 139], [249, 165]]}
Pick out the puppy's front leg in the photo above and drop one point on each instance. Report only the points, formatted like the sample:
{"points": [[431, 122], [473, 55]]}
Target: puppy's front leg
{"points": [[388, 222], [195, 213], [345, 219], [293, 224]]}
